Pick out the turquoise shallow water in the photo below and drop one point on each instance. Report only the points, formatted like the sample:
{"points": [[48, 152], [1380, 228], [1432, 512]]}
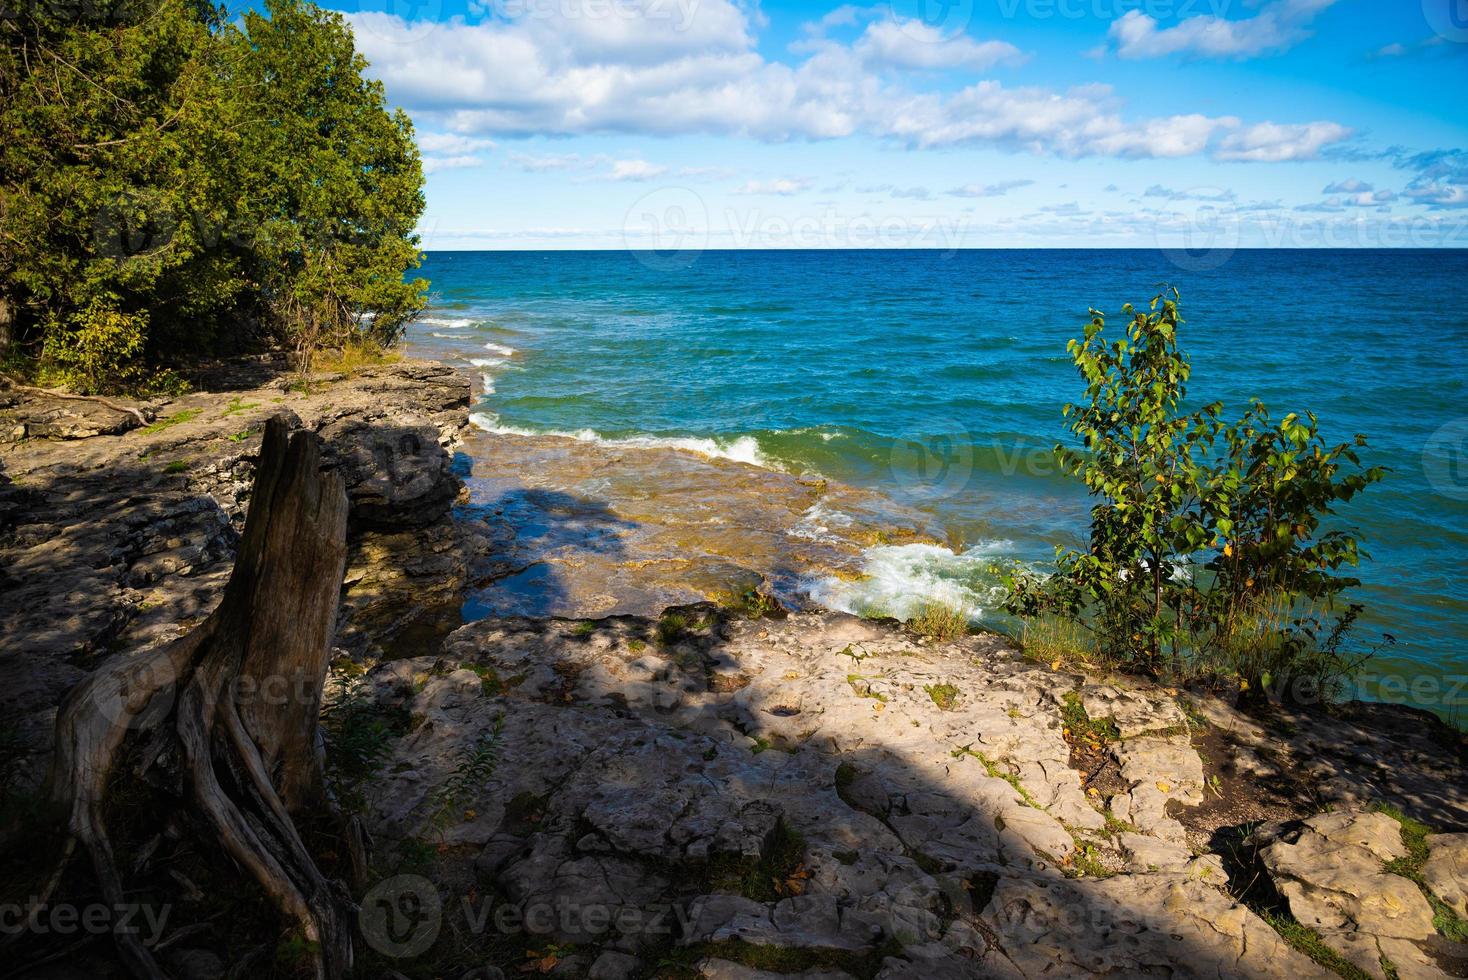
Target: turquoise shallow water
{"points": [[937, 377]]}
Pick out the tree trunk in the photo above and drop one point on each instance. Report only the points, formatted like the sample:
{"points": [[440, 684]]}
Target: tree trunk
{"points": [[239, 699]]}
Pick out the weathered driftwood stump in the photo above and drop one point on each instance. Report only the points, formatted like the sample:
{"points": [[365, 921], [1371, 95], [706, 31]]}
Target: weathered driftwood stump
{"points": [[235, 702]]}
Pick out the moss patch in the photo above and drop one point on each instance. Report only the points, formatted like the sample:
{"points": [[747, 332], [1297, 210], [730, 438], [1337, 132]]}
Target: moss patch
{"points": [[177, 418], [944, 695]]}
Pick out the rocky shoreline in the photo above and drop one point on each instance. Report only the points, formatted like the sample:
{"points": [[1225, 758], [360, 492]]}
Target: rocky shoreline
{"points": [[602, 773]]}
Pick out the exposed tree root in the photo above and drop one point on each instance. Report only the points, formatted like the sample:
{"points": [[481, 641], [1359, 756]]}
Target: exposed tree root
{"points": [[73, 396], [234, 704]]}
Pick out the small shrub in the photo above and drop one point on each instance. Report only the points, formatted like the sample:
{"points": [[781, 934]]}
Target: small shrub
{"points": [[357, 734], [471, 771], [673, 627], [1212, 544], [97, 349], [749, 604]]}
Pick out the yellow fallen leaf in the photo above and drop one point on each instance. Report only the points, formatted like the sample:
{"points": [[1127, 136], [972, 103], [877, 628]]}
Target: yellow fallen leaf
{"points": [[1165, 787]]}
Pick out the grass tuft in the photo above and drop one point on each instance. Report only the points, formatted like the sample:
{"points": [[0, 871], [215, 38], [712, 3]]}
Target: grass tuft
{"points": [[778, 873], [177, 418], [939, 621], [1306, 940], [1056, 641]]}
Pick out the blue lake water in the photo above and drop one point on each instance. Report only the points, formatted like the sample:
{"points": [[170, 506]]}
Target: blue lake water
{"points": [[937, 377]]}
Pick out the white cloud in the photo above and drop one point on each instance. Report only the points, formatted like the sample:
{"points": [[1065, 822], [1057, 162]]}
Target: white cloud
{"points": [[1442, 179], [451, 151], [546, 164], [1363, 199], [913, 44], [529, 77], [1193, 194], [783, 186], [1272, 142], [1393, 50], [1278, 26], [435, 164], [1348, 186], [635, 170], [989, 190], [452, 143]]}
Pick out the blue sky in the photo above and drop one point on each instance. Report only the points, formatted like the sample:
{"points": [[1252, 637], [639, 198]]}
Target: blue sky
{"points": [[931, 123]]}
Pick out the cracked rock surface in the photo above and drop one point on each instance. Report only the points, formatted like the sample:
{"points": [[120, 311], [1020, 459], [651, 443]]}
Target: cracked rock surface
{"points": [[692, 792], [114, 538], [735, 786]]}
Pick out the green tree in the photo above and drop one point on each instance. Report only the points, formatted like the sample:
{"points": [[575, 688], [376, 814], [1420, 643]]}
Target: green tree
{"points": [[1208, 543], [96, 101], [172, 184], [328, 179]]}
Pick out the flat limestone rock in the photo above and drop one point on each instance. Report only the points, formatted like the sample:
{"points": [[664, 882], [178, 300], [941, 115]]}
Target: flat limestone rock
{"points": [[1329, 868], [1136, 925], [1133, 711], [116, 536], [1446, 870], [717, 969], [26, 416], [1158, 770], [798, 811]]}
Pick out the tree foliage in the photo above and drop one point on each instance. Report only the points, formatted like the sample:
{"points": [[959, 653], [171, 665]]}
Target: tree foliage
{"points": [[1209, 542], [175, 183]]}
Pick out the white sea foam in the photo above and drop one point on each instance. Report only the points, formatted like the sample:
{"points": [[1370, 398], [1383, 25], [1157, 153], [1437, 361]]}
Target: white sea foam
{"points": [[458, 323], [487, 362], [744, 449], [898, 579], [816, 523], [494, 348]]}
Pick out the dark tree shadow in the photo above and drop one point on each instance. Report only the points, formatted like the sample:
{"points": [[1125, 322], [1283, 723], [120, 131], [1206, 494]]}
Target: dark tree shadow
{"points": [[536, 531], [961, 883]]}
